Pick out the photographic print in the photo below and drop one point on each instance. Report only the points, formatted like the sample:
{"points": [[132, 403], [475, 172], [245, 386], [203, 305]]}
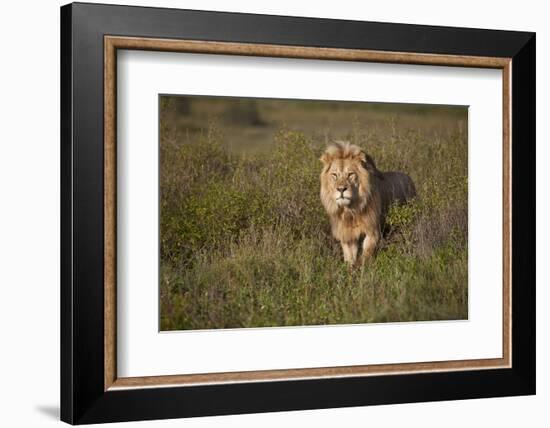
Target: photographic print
{"points": [[288, 212], [339, 194]]}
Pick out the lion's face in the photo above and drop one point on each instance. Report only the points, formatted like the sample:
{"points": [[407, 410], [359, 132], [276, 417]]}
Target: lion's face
{"points": [[345, 180]]}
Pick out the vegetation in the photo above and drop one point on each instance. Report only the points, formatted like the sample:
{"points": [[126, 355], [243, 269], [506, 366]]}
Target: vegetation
{"points": [[245, 241]]}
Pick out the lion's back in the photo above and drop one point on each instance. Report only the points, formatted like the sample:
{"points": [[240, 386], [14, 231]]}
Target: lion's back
{"points": [[398, 187]]}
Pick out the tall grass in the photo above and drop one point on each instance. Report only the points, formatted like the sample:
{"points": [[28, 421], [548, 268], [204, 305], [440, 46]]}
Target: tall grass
{"points": [[245, 241]]}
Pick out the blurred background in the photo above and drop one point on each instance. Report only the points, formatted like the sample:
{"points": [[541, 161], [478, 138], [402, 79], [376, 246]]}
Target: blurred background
{"points": [[252, 123]]}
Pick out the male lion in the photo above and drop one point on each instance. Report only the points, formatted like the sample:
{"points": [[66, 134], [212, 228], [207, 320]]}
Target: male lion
{"points": [[356, 196]]}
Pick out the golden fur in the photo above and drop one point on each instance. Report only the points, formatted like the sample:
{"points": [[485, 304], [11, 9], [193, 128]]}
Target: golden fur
{"points": [[356, 196]]}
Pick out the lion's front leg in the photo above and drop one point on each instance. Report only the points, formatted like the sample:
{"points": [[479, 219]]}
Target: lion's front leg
{"points": [[350, 250], [370, 243]]}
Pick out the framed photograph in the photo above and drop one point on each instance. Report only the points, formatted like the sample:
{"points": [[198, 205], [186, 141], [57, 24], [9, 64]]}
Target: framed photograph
{"points": [[266, 213]]}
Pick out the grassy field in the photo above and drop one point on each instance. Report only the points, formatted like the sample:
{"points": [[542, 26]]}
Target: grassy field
{"points": [[245, 241]]}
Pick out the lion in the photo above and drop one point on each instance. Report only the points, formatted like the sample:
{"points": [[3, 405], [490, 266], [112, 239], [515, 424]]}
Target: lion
{"points": [[357, 196]]}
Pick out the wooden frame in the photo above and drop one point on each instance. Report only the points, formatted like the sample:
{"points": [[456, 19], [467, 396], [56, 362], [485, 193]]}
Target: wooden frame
{"points": [[112, 43], [513, 53]]}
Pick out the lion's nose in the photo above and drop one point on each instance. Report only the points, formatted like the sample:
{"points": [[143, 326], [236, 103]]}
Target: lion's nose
{"points": [[342, 189]]}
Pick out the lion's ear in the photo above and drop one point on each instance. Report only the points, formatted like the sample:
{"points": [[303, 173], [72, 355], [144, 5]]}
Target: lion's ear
{"points": [[368, 163], [326, 159]]}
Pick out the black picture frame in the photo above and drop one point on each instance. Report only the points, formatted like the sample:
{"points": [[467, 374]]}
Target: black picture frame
{"points": [[83, 398]]}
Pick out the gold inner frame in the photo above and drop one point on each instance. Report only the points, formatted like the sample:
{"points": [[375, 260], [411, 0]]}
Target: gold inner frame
{"points": [[112, 43]]}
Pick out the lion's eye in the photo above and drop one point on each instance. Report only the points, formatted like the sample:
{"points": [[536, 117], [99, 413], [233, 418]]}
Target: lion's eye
{"points": [[352, 175], [334, 176]]}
